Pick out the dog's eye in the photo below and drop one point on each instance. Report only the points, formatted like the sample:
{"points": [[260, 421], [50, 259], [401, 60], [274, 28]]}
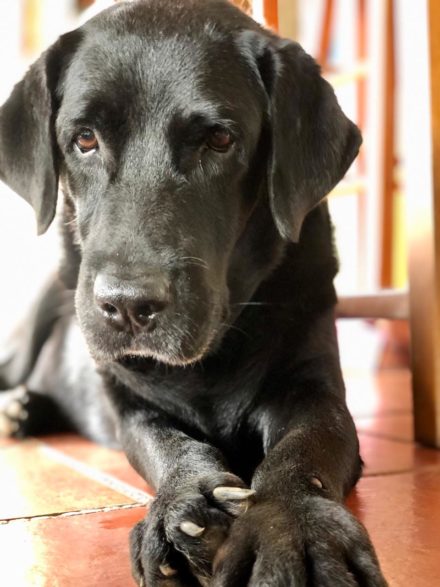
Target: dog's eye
{"points": [[86, 141], [220, 139]]}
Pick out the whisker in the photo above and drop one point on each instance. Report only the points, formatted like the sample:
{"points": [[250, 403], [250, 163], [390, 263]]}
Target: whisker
{"points": [[252, 304], [236, 328], [196, 261], [185, 332], [71, 222]]}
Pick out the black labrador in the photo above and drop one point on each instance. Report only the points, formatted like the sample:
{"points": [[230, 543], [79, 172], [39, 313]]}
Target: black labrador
{"points": [[193, 318]]}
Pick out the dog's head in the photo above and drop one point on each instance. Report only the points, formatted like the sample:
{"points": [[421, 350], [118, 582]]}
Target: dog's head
{"points": [[190, 145]]}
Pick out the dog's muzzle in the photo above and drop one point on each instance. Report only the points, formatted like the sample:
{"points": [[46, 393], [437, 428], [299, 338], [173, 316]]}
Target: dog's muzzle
{"points": [[131, 305]]}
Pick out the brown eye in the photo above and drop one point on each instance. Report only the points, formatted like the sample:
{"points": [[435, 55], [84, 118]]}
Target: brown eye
{"points": [[86, 140], [220, 139]]}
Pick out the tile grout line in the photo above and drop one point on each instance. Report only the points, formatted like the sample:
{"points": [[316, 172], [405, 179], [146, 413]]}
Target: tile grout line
{"points": [[385, 436], [366, 433], [379, 414], [84, 512], [137, 495], [418, 469]]}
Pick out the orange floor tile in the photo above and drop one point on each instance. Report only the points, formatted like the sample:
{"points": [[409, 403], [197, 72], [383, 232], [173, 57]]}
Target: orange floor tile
{"points": [[85, 550], [402, 514], [66, 505]]}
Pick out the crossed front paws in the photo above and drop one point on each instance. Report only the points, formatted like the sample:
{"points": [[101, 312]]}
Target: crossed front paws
{"points": [[215, 532], [177, 542]]}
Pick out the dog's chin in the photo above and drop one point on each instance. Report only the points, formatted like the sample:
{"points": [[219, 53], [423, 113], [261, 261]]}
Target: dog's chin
{"points": [[144, 363], [172, 345], [143, 359]]}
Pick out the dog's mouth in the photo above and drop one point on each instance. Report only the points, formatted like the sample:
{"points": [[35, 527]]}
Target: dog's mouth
{"points": [[183, 333], [137, 363], [146, 363], [143, 354]]}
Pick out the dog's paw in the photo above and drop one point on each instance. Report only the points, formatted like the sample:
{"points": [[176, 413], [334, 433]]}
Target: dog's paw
{"points": [[24, 413], [176, 543], [14, 412], [317, 543]]}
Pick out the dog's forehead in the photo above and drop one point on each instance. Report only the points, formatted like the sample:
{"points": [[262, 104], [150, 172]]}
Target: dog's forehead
{"points": [[130, 64], [151, 68]]}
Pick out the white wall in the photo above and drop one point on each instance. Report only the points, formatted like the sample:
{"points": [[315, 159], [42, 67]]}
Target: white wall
{"points": [[25, 260]]}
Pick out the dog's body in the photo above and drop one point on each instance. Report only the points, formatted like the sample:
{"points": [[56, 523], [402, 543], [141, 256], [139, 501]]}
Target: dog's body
{"points": [[193, 150]]}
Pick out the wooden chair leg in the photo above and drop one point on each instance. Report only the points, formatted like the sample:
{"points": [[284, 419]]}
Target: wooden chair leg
{"points": [[326, 33], [271, 13], [424, 246], [387, 171], [361, 120]]}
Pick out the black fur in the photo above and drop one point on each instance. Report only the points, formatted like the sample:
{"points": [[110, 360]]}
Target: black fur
{"points": [[193, 319]]}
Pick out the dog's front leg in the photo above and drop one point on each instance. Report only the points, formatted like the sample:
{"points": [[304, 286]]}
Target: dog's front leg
{"points": [[299, 533], [197, 498]]}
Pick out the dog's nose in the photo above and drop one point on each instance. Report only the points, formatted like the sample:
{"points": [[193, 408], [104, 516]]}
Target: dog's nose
{"points": [[131, 304]]}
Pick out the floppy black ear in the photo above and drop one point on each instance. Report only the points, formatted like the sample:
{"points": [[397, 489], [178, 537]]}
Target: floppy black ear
{"points": [[313, 142], [28, 151]]}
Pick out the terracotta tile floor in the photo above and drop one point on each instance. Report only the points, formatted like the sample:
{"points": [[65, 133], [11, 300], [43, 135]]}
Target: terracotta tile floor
{"points": [[66, 505]]}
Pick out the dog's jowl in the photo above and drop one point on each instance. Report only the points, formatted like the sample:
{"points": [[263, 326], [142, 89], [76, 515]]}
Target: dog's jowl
{"points": [[192, 320]]}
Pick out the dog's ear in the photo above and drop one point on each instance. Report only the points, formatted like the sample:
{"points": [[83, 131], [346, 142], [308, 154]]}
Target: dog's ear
{"points": [[28, 148], [312, 142]]}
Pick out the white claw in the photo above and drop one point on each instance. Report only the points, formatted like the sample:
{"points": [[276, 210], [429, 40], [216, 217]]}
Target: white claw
{"points": [[191, 529], [141, 583], [232, 493], [24, 415], [167, 571], [316, 482], [7, 427], [14, 410], [238, 508]]}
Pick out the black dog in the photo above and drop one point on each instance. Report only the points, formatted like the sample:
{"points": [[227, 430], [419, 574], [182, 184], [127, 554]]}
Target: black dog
{"points": [[193, 149]]}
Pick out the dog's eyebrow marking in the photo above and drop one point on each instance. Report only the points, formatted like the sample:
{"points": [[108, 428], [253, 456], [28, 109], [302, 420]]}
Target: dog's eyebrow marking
{"points": [[203, 117]]}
